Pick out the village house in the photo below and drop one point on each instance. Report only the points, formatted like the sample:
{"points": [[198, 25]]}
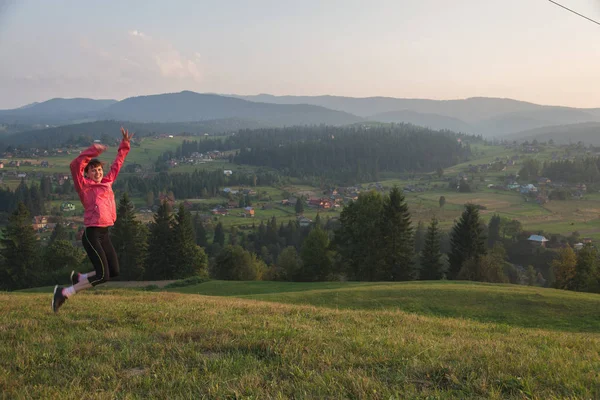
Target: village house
{"points": [[219, 210], [67, 206], [538, 240], [320, 203], [39, 222]]}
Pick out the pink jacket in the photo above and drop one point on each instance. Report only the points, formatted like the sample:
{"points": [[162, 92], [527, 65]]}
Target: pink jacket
{"points": [[98, 199]]}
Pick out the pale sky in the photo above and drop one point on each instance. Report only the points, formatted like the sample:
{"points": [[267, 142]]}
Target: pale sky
{"points": [[528, 50]]}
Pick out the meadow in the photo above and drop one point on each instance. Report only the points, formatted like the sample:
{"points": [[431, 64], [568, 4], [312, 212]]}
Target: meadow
{"points": [[434, 340]]}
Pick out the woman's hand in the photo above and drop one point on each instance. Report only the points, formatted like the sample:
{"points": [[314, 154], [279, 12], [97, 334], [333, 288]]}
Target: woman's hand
{"points": [[100, 147], [126, 136]]}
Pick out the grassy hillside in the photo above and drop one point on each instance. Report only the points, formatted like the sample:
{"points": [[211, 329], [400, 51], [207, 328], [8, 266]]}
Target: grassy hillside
{"points": [[529, 307], [132, 344]]}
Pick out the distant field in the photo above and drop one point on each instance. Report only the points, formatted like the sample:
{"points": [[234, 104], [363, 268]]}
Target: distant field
{"points": [[555, 217], [332, 340]]}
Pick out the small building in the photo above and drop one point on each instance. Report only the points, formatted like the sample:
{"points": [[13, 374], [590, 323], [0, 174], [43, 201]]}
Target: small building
{"points": [[39, 222], [538, 240], [228, 172], [67, 206], [249, 211]]}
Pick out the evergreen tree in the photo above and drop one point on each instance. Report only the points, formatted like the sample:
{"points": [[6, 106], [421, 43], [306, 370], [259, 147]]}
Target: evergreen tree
{"points": [[359, 234], [159, 260], [20, 252], [432, 267], [316, 258], [420, 237], [58, 233], [130, 239], [219, 237], [201, 234], [60, 258], [493, 230], [396, 243], [467, 240], [299, 207], [190, 259]]}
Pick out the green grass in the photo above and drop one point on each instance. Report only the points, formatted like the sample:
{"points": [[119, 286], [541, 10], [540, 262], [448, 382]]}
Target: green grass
{"points": [[117, 343], [528, 307]]}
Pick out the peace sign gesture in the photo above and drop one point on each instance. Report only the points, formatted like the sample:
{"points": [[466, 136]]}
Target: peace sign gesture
{"points": [[126, 135]]}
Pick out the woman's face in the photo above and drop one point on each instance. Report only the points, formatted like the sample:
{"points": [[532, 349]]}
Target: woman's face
{"points": [[95, 173]]}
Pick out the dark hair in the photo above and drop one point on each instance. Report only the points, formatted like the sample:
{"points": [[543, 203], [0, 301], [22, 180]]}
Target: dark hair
{"points": [[94, 162]]}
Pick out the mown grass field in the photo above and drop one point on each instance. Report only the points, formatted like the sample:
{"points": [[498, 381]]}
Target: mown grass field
{"points": [[432, 340]]}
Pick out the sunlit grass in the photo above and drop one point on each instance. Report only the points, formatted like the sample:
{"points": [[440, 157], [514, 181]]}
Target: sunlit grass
{"points": [[134, 344]]}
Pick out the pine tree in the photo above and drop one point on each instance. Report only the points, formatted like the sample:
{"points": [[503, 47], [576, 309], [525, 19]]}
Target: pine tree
{"points": [[60, 257], [219, 237], [420, 237], [467, 240], [316, 257], [58, 233], [21, 266], [359, 234], [493, 230], [397, 239], [190, 259], [159, 260], [299, 207], [432, 267], [129, 237], [201, 235]]}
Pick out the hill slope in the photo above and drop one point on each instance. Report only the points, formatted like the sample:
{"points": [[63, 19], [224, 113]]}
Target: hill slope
{"points": [[55, 111], [170, 345], [588, 132]]}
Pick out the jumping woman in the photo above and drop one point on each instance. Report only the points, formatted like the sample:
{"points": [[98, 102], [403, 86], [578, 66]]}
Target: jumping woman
{"points": [[96, 194]]}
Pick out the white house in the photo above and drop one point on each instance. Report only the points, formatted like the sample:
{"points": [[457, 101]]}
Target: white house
{"points": [[538, 240]]}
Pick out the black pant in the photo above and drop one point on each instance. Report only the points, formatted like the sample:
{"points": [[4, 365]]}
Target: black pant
{"points": [[101, 252]]}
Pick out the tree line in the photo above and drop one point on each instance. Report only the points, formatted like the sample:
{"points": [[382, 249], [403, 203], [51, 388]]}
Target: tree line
{"points": [[348, 154], [373, 240]]}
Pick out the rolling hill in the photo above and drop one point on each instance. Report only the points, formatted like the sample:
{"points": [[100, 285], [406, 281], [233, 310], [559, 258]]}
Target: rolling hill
{"points": [[587, 132], [311, 340]]}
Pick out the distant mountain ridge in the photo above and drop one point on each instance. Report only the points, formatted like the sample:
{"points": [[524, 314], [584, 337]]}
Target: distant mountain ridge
{"points": [[489, 117], [476, 115], [184, 106]]}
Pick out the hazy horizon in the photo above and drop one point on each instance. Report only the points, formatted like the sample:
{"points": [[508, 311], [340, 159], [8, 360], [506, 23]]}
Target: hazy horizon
{"points": [[529, 51]]}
